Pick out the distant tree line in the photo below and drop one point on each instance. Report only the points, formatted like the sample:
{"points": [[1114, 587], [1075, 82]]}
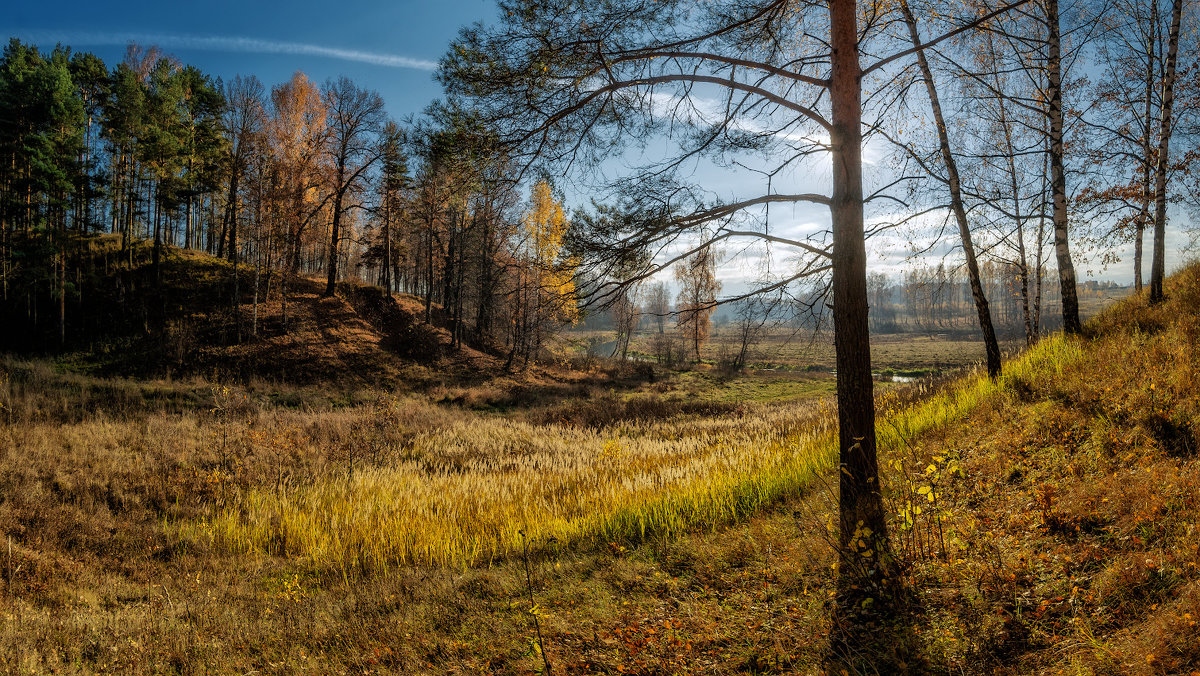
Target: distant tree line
{"points": [[928, 299], [938, 298]]}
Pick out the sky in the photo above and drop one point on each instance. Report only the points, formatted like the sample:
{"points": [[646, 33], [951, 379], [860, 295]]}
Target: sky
{"points": [[391, 46]]}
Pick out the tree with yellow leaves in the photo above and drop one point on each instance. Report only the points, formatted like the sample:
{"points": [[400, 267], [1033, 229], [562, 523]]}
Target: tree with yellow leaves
{"points": [[698, 288], [545, 294]]}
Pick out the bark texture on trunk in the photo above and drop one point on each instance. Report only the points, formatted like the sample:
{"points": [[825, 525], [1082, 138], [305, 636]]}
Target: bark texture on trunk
{"points": [[331, 280], [1058, 176], [1158, 265], [863, 544], [1147, 152]]}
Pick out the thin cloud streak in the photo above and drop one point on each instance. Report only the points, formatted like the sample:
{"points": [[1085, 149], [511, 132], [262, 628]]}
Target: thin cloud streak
{"points": [[218, 43]]}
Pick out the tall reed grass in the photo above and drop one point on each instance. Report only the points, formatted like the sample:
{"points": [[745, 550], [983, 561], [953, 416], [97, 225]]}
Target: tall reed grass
{"points": [[461, 495]]}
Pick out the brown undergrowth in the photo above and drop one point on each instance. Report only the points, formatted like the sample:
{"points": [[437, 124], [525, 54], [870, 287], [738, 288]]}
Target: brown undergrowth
{"points": [[1057, 521], [1046, 524]]}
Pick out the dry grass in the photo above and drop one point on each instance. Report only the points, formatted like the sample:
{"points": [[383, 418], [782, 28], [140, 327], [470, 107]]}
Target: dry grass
{"points": [[462, 494], [1063, 536], [105, 482], [1057, 533], [607, 469]]}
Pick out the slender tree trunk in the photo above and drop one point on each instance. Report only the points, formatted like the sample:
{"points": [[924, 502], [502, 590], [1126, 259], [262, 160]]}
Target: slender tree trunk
{"points": [[1040, 252], [131, 209], [1139, 239], [87, 175], [448, 265], [516, 322], [460, 283], [483, 312], [863, 549], [210, 240], [229, 222], [429, 222], [335, 235], [1023, 271], [236, 302], [387, 246], [157, 253], [533, 319], [991, 346], [284, 274], [696, 329], [1165, 129], [235, 296], [1022, 248], [254, 321], [62, 291], [1058, 176], [150, 210], [1147, 152], [115, 202], [5, 256], [187, 226], [1010, 154]]}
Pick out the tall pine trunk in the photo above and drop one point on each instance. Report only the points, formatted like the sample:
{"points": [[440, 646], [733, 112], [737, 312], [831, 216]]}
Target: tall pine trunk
{"points": [[429, 221], [863, 544], [387, 247], [157, 253], [62, 291]]}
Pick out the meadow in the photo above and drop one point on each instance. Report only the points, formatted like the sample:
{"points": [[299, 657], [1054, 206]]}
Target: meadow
{"points": [[404, 485], [615, 524], [781, 346]]}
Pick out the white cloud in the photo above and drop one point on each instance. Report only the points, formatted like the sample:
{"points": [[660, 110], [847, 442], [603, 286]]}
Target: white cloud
{"points": [[218, 43]]}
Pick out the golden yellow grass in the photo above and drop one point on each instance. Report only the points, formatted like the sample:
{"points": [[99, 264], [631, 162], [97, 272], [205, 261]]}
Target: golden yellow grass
{"points": [[464, 494], [405, 481], [478, 488]]}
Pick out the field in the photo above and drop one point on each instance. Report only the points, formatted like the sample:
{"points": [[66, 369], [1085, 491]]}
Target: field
{"points": [[782, 347], [621, 520]]}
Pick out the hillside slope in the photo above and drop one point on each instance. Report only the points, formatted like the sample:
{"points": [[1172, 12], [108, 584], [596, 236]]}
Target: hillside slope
{"points": [[122, 317], [1046, 524], [1070, 504]]}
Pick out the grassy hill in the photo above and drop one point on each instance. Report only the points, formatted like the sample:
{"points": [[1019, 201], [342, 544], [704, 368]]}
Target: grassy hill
{"points": [[1046, 522], [124, 317]]}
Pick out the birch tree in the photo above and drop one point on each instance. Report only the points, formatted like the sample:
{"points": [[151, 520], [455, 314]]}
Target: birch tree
{"points": [[953, 183], [698, 289], [1166, 126]]}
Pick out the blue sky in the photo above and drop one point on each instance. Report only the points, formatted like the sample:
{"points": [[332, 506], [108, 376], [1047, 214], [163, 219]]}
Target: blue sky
{"points": [[389, 46]]}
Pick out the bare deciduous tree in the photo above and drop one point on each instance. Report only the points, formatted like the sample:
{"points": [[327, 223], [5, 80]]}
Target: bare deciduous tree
{"points": [[355, 116]]}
